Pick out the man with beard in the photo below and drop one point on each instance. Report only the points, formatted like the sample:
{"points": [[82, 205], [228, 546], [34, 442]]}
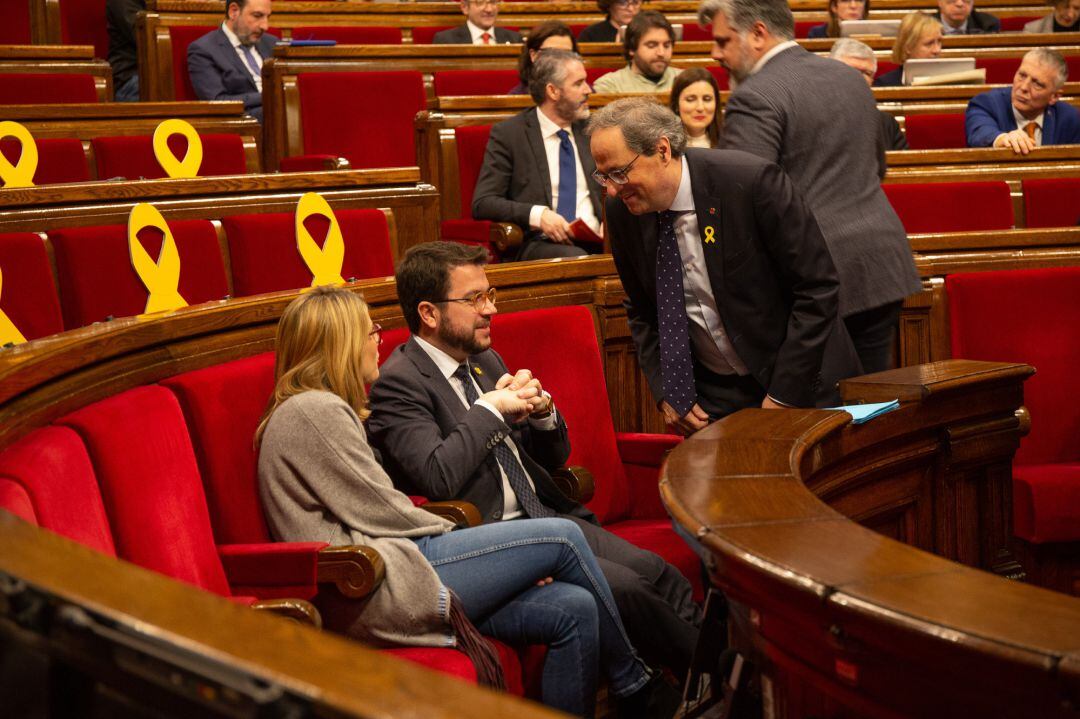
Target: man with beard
{"points": [[647, 47], [537, 171], [226, 63], [437, 417]]}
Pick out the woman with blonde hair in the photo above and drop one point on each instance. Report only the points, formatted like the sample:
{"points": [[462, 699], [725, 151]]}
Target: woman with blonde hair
{"points": [[919, 38], [529, 581]]}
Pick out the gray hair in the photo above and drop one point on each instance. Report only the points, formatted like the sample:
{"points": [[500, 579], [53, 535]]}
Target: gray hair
{"points": [[1053, 60], [741, 15], [643, 122], [550, 68], [850, 47]]}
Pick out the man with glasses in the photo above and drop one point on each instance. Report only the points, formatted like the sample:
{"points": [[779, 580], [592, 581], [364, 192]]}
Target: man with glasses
{"points": [[439, 419], [732, 293], [479, 27], [617, 14]]}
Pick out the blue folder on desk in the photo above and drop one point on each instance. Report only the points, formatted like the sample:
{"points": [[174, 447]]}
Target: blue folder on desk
{"points": [[861, 413]]}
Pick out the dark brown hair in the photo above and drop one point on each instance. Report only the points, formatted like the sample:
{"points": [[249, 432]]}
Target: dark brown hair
{"points": [[424, 274], [832, 29], [536, 39], [685, 79]]}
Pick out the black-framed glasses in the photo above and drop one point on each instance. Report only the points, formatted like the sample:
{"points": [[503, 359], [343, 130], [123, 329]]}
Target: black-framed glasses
{"points": [[619, 176], [376, 333], [477, 299]]}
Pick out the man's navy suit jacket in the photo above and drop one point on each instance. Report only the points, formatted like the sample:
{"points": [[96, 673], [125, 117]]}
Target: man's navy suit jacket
{"points": [[218, 73], [990, 114]]}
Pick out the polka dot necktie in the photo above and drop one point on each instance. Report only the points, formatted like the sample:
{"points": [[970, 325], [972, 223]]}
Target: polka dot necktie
{"points": [[676, 366], [515, 473]]}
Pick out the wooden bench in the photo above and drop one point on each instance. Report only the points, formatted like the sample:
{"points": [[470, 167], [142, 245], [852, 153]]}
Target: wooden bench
{"points": [[58, 59]]}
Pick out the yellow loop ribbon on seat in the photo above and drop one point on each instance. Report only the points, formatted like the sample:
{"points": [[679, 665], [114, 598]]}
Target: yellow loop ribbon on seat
{"points": [[9, 333], [21, 174], [189, 166], [161, 277], [325, 262]]}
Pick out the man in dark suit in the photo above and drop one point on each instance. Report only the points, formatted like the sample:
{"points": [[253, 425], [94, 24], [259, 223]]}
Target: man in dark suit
{"points": [[1028, 114], [818, 120], [120, 22], [438, 419], [732, 293], [226, 63], [959, 17], [537, 170], [479, 27]]}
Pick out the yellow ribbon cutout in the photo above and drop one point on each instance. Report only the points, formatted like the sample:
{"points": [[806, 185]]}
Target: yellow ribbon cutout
{"points": [[162, 278], [9, 333], [710, 234], [189, 166], [325, 262], [20, 174]]}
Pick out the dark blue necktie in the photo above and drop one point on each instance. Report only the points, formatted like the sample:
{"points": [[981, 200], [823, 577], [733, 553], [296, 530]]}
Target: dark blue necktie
{"points": [[515, 473], [250, 60], [676, 366], [567, 178]]}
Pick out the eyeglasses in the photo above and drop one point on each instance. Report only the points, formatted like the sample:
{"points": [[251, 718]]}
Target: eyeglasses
{"points": [[484, 3], [619, 176], [477, 299], [627, 3], [376, 333]]}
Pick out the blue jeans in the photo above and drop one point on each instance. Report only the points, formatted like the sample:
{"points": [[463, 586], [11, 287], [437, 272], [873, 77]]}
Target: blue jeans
{"points": [[129, 91], [494, 569]]}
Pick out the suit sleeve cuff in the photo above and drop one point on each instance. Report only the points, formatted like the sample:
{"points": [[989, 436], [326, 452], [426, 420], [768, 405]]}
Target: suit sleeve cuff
{"points": [[488, 406], [534, 216]]}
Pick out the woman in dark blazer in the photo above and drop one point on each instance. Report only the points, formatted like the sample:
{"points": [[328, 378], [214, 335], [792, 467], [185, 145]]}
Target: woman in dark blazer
{"points": [[616, 14], [840, 10]]}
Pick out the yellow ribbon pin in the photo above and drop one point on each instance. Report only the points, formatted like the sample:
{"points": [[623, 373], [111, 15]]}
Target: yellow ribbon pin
{"points": [[710, 234], [21, 174], [9, 333], [325, 262], [189, 166], [162, 278]]}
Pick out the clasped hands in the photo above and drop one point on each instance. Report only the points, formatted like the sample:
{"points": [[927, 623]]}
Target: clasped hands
{"points": [[517, 396]]}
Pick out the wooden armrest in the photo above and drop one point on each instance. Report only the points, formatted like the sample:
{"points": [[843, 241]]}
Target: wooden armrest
{"points": [[463, 514], [575, 482], [355, 570], [505, 236], [299, 610]]}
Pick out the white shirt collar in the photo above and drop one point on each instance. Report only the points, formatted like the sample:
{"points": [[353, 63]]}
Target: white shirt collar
{"points": [[476, 31], [446, 364], [771, 54], [233, 39], [684, 196], [547, 127], [1022, 121]]}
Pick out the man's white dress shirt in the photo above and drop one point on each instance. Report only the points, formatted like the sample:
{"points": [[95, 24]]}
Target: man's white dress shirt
{"points": [[583, 204]]}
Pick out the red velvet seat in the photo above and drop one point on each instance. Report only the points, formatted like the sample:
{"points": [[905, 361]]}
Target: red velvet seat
{"points": [[97, 280], [999, 70], [592, 74], [425, 35], [335, 109], [470, 142], [180, 37], [692, 32], [934, 132], [1052, 202], [952, 206], [885, 66], [82, 22], [802, 29], [60, 159], [265, 258], [1016, 23], [14, 499], [721, 75], [28, 295], [28, 88], [132, 157], [449, 83], [15, 30], [345, 35]]}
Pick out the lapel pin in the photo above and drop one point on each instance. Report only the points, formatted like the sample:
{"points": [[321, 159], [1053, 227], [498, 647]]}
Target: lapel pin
{"points": [[710, 234], [712, 210], [477, 371]]}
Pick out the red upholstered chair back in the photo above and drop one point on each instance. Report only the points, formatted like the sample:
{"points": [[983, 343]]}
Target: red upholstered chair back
{"points": [[133, 157], [349, 35], [592, 74], [33, 88], [15, 30], [335, 109], [265, 259], [1073, 63], [390, 340], [28, 295], [932, 132], [223, 405], [180, 37], [802, 29], [885, 66], [14, 499], [60, 159], [692, 32], [53, 470], [449, 83], [1016, 24], [952, 206], [999, 69], [425, 35], [1052, 202], [577, 27], [1027, 316], [82, 22], [471, 141], [142, 456], [97, 280], [721, 76]]}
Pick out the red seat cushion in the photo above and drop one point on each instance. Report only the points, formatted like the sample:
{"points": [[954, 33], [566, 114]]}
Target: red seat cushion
{"points": [[265, 258], [132, 157], [52, 467], [932, 132], [15, 30], [952, 206], [223, 405], [60, 159], [456, 664], [14, 499], [28, 294], [475, 82], [26, 88], [143, 458], [354, 35], [999, 70], [180, 37], [1046, 502], [802, 29], [721, 75], [82, 22], [1016, 23], [885, 66], [471, 142], [1053, 202], [335, 109], [96, 278], [425, 35], [692, 32]]}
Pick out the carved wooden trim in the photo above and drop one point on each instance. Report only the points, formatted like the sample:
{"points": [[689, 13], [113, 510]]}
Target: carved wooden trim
{"points": [[461, 513], [355, 570], [298, 610]]}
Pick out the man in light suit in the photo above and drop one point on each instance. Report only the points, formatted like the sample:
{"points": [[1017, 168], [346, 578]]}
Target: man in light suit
{"points": [[226, 63], [537, 170], [817, 119], [437, 420], [732, 293], [1028, 114], [479, 27]]}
